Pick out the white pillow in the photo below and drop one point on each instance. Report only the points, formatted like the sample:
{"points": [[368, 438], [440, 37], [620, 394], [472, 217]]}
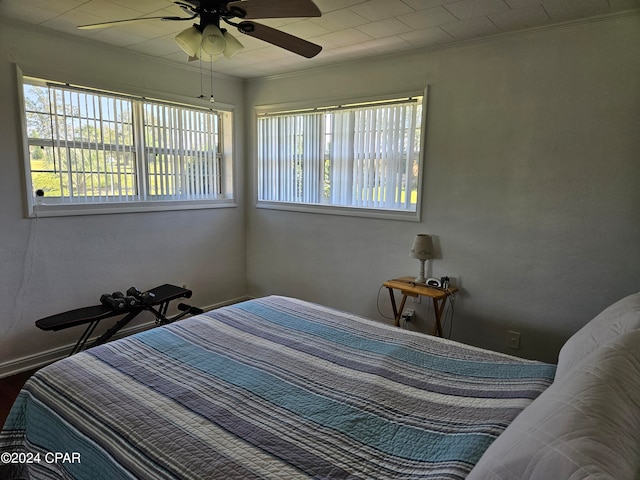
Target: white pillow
{"points": [[586, 426], [617, 319]]}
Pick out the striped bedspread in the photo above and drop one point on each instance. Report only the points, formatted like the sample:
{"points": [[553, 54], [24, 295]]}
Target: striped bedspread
{"points": [[269, 388]]}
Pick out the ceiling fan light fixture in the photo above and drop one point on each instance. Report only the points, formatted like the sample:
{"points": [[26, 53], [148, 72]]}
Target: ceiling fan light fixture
{"points": [[213, 42], [189, 41], [233, 45]]}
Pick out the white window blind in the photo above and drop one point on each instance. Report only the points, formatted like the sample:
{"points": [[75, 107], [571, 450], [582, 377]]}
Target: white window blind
{"points": [[365, 156], [88, 147], [81, 145], [291, 166], [182, 151]]}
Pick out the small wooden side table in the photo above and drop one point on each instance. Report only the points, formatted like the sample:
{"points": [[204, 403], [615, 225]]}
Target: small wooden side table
{"points": [[409, 288]]}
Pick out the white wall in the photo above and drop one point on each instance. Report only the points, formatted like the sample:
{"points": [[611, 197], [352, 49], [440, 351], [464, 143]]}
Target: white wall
{"points": [[532, 186], [55, 264], [531, 189]]}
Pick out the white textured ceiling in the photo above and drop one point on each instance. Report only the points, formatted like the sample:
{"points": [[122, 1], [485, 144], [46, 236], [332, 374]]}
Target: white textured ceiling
{"points": [[347, 30]]}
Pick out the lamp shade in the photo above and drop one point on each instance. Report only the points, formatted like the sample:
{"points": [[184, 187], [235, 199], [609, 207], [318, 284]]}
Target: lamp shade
{"points": [[213, 43], [233, 45], [422, 248], [189, 41]]}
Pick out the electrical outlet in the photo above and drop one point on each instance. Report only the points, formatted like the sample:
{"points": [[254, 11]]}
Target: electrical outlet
{"points": [[513, 339], [408, 314]]}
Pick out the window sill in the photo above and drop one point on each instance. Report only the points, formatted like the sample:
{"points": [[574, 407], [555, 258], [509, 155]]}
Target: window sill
{"points": [[44, 209], [378, 213]]}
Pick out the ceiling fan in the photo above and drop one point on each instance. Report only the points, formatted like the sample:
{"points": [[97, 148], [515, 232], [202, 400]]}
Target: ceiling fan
{"points": [[209, 41]]}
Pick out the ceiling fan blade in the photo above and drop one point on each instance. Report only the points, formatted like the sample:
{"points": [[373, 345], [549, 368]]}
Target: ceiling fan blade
{"points": [[248, 9], [94, 26], [281, 39]]}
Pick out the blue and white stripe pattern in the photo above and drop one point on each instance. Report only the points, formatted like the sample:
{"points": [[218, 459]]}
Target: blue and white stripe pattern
{"points": [[271, 388]]}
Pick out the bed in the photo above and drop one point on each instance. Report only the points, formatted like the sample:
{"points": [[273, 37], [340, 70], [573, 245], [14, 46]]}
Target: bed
{"points": [[281, 388]]}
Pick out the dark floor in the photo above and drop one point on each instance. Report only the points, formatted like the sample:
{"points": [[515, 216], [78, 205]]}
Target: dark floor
{"points": [[9, 388]]}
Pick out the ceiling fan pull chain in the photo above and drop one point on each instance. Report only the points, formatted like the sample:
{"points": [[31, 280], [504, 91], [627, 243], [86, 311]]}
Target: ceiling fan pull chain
{"points": [[212, 99], [201, 80]]}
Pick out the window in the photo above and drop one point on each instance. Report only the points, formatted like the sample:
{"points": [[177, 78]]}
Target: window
{"points": [[92, 150], [361, 157]]}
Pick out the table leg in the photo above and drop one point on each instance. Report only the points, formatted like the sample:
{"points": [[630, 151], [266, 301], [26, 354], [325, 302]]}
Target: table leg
{"points": [[397, 313], [438, 308], [401, 309], [393, 304]]}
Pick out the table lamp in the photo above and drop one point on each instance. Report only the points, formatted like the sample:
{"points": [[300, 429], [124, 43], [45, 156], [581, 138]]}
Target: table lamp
{"points": [[422, 249]]}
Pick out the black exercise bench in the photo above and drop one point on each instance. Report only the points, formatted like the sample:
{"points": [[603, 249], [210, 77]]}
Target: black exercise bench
{"points": [[130, 305]]}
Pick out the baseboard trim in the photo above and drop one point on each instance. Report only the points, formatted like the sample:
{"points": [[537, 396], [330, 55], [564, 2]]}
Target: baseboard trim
{"points": [[41, 359]]}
